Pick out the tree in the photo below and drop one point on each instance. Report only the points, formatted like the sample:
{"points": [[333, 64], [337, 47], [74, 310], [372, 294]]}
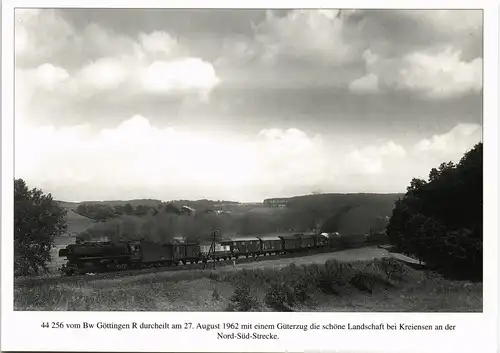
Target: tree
{"points": [[38, 219]]}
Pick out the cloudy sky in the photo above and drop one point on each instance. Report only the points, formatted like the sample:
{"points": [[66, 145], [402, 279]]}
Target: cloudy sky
{"points": [[242, 104]]}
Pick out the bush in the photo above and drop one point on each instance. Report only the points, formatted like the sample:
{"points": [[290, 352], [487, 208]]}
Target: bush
{"points": [[280, 296], [242, 299], [392, 268], [333, 276], [298, 280], [368, 281]]}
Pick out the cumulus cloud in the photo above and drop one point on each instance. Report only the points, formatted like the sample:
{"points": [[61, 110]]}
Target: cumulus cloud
{"points": [[159, 42], [435, 53], [365, 84], [455, 142], [34, 45], [309, 35], [371, 159], [103, 74], [46, 77], [449, 146], [432, 75], [152, 62], [185, 74]]}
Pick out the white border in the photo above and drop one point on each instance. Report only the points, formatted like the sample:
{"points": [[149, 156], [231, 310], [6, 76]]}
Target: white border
{"points": [[475, 332]]}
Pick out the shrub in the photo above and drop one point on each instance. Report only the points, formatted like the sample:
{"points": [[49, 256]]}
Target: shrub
{"points": [[363, 282], [391, 267], [242, 299], [368, 281], [298, 280], [333, 275], [280, 296]]}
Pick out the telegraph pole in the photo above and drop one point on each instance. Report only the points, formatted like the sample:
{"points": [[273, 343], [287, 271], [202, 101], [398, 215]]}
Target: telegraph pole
{"points": [[212, 248], [214, 234]]}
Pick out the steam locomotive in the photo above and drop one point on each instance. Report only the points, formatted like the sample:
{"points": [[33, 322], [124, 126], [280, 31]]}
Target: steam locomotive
{"points": [[97, 257]]}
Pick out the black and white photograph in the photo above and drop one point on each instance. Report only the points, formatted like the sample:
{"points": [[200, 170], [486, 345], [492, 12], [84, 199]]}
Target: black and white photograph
{"points": [[232, 160], [251, 177]]}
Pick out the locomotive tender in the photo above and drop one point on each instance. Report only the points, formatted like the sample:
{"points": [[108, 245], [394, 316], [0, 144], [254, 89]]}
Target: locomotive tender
{"points": [[114, 256]]}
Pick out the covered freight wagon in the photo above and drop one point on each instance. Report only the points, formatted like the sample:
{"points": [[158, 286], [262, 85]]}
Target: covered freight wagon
{"points": [[244, 246], [152, 253], [291, 242], [271, 244], [306, 241], [187, 252]]}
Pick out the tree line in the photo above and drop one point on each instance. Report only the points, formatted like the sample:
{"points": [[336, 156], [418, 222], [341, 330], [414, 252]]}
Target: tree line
{"points": [[440, 220]]}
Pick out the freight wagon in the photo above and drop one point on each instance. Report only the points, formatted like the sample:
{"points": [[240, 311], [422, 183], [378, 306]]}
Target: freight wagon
{"points": [[244, 246], [271, 244], [221, 252], [306, 241], [187, 252], [291, 242]]}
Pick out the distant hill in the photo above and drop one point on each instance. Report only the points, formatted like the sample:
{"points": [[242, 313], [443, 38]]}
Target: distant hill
{"points": [[133, 203], [360, 198]]}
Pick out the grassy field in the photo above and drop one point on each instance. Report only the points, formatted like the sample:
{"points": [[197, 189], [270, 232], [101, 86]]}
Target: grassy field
{"points": [[377, 285]]}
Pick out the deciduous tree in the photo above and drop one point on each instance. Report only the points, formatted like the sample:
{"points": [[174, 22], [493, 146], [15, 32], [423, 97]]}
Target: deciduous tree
{"points": [[38, 219]]}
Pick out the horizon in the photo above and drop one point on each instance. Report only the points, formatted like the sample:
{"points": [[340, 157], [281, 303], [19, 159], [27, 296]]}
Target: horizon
{"points": [[242, 104]]}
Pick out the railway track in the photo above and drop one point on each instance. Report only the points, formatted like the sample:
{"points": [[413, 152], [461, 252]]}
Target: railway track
{"points": [[33, 281]]}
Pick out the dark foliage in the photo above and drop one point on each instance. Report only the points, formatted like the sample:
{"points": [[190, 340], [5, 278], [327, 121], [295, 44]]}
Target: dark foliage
{"points": [[37, 220], [440, 220], [96, 211], [280, 296], [243, 299]]}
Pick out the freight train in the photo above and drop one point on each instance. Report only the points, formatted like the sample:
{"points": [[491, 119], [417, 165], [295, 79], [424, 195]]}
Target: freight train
{"points": [[96, 257]]}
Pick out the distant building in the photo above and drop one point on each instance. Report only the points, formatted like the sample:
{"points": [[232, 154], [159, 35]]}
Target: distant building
{"points": [[276, 203]]}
